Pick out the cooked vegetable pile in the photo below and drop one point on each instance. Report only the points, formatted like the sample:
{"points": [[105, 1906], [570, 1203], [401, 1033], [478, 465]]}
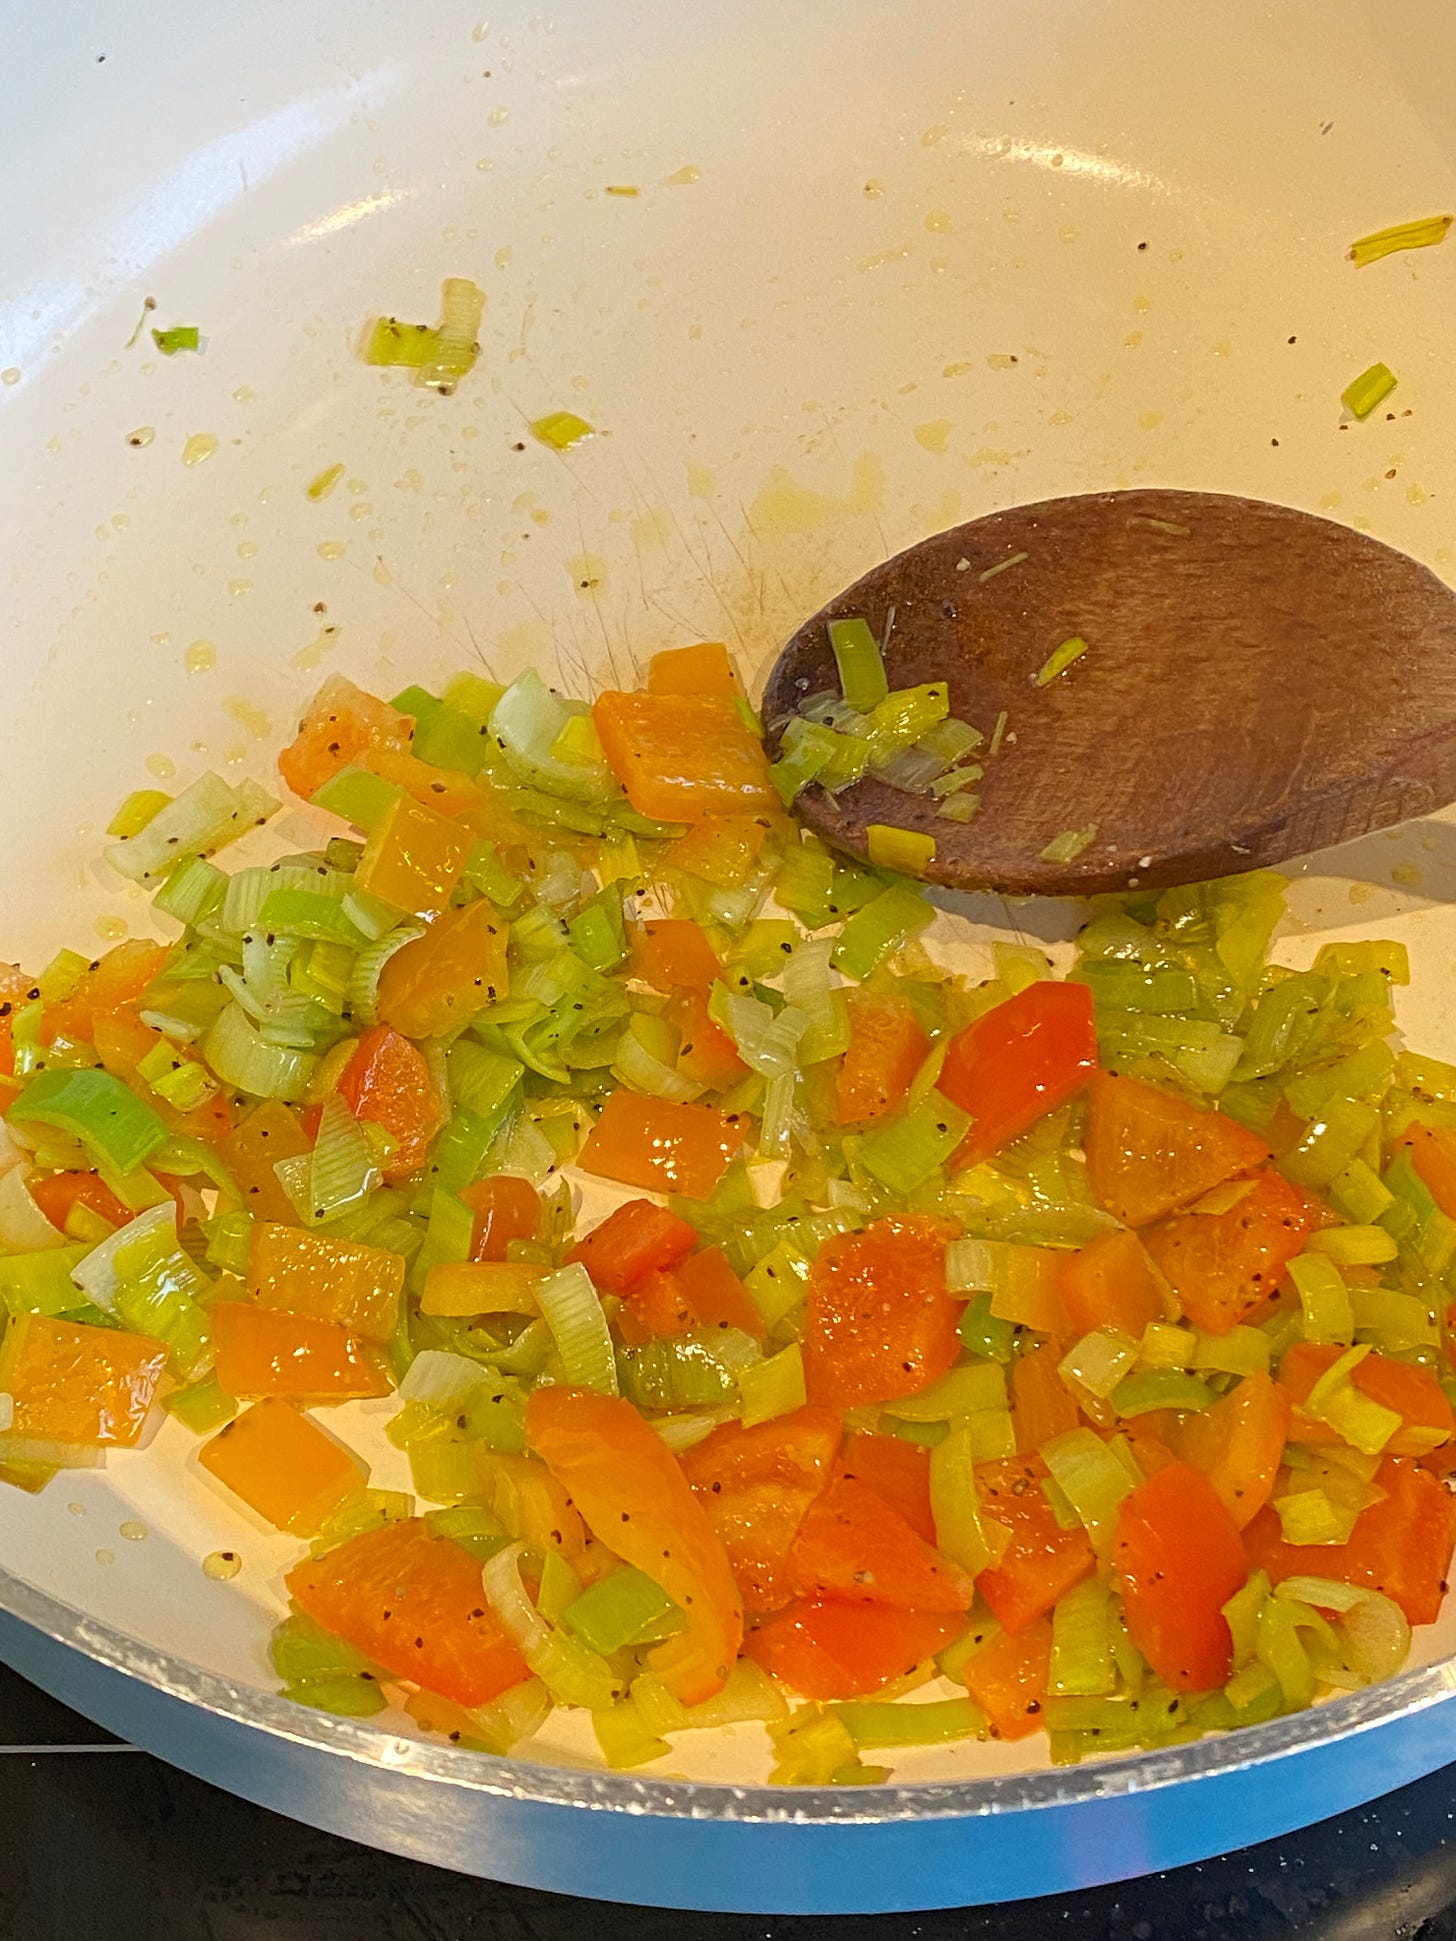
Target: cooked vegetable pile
{"points": [[958, 1360]]}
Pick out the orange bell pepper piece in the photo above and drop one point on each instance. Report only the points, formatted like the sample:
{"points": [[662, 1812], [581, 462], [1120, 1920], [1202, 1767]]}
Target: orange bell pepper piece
{"points": [[113, 983], [682, 756], [59, 1192], [340, 723], [465, 1287], [853, 1546], [1239, 1443], [506, 1208], [1043, 1561], [1177, 1559], [899, 1474], [263, 1351], [830, 1651], [412, 1601], [414, 857], [672, 953], [721, 849], [1401, 1545], [887, 1047], [1413, 1393], [1042, 1406], [880, 1323], [340, 1281], [1016, 1063], [1008, 1679], [702, 669], [388, 1082], [634, 1497], [270, 1131], [755, 1485], [1433, 1154], [1150, 1154], [716, 1295], [707, 1056], [1224, 1265], [660, 1144], [633, 1241], [283, 1466], [442, 980], [73, 1383], [1110, 1283]]}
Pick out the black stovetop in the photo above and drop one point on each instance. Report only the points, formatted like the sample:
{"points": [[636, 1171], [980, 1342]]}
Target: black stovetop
{"points": [[99, 1842]]}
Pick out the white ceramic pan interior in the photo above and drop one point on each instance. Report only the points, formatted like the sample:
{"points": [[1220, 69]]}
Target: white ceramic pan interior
{"points": [[880, 270]]}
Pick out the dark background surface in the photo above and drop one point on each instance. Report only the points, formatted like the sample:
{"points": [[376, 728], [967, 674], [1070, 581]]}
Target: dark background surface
{"points": [[102, 1843]]}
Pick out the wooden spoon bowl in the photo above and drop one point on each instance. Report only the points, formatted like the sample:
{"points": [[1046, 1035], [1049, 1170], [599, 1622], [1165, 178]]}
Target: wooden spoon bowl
{"points": [[1258, 683]]}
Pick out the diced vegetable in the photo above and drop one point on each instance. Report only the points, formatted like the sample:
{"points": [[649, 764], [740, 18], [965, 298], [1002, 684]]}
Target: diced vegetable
{"points": [[880, 1323], [283, 1465], [1017, 1063], [1178, 1558], [71, 1383], [1149, 1154]]}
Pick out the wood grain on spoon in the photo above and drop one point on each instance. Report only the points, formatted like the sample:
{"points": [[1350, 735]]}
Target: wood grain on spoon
{"points": [[1259, 683]]}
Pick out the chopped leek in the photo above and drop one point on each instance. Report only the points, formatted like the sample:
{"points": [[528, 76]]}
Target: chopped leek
{"points": [[861, 668], [560, 430], [1361, 395], [907, 850], [179, 337], [1059, 660], [1401, 235]]}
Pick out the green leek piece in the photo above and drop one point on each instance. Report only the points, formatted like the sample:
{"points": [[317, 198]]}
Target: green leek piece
{"points": [[1324, 1298], [908, 851], [873, 1724], [1069, 844], [1099, 1361], [861, 666], [983, 1333], [883, 925], [1401, 235], [750, 1696], [1092, 1479], [136, 812], [1082, 1664], [179, 337], [1361, 395], [572, 1309], [903, 1154], [961, 1533], [41, 1283], [773, 1387], [1059, 660], [1166, 991], [560, 430], [202, 1407], [443, 736], [118, 1128], [392, 342], [623, 1609], [624, 1739], [358, 796]]}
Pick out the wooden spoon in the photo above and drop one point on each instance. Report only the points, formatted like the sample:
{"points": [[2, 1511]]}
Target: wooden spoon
{"points": [[1258, 683]]}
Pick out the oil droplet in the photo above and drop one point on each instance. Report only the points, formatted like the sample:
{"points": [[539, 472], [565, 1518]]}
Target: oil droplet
{"points": [[935, 435], [247, 549], [680, 178], [199, 448], [1058, 159], [309, 655], [497, 117], [162, 766], [936, 134], [237, 588], [363, 510], [1059, 418], [112, 929], [330, 549], [503, 257], [938, 221], [883, 256], [1132, 339], [221, 1565], [1361, 892], [957, 370], [874, 189], [785, 506], [587, 570], [1329, 500], [106, 1556], [141, 437], [245, 394], [76, 1509], [479, 33], [1001, 360], [133, 1531], [1415, 494], [200, 658], [248, 715], [1150, 420], [11, 375], [1408, 875], [1067, 233]]}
